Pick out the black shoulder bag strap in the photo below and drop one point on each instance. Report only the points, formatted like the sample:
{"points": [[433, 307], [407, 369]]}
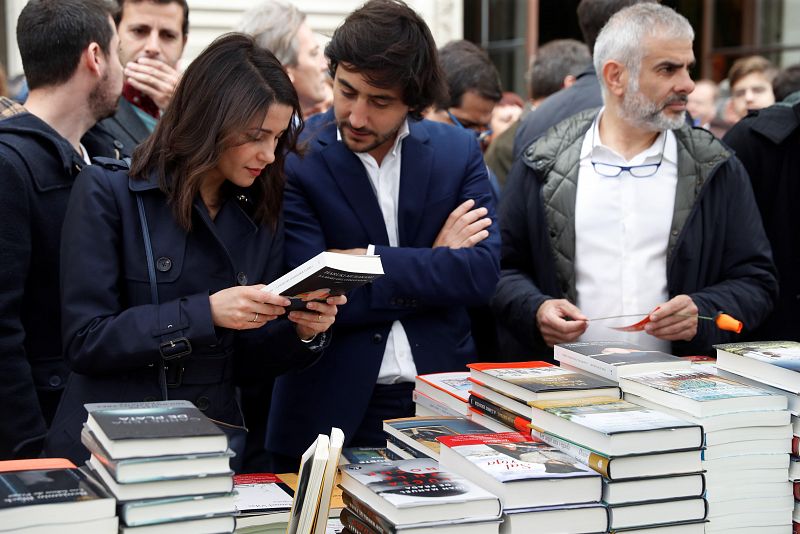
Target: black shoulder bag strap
{"points": [[151, 274]]}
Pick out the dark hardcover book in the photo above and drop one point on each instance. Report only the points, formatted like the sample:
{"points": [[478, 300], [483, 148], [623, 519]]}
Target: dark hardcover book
{"points": [[498, 413], [326, 274], [129, 430], [50, 496], [366, 515], [355, 524]]}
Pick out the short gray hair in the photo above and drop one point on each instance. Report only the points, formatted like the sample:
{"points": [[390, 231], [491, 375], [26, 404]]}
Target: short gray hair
{"points": [[273, 25], [621, 38]]}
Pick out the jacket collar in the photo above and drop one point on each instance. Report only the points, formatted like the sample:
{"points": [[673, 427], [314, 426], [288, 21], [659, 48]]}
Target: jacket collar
{"points": [[349, 173], [28, 125]]}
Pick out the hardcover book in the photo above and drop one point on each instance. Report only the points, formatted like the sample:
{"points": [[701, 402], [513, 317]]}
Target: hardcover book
{"points": [[584, 518], [451, 389], [420, 433], [38, 497], [169, 509], [500, 414], [210, 525], [149, 469], [425, 406], [131, 430], [615, 427], [532, 381], [161, 488], [417, 491], [640, 515], [775, 363], [326, 274], [627, 466], [699, 393], [521, 470], [613, 359], [310, 479]]}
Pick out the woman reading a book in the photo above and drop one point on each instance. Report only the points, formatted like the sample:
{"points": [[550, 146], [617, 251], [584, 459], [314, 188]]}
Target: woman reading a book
{"points": [[162, 263]]}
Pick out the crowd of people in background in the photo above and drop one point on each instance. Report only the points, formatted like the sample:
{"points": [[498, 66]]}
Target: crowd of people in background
{"points": [[146, 206]]}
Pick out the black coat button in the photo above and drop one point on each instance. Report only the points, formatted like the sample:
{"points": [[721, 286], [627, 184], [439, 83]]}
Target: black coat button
{"points": [[163, 264], [150, 398], [203, 403], [377, 338], [54, 381], [242, 279]]}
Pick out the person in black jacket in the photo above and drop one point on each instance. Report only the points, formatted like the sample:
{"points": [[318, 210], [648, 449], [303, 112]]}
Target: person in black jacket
{"points": [[767, 142], [72, 86], [162, 264]]}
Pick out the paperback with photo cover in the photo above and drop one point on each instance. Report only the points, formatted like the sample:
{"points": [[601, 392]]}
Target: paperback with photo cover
{"points": [[420, 433], [784, 354], [537, 377], [610, 416], [412, 483], [513, 456]]}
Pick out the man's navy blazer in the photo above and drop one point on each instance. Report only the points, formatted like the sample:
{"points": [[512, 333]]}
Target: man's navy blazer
{"points": [[330, 204]]}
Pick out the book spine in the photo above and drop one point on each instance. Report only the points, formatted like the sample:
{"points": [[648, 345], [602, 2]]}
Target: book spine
{"points": [[597, 462], [498, 413], [354, 523], [797, 491], [796, 445], [366, 514]]}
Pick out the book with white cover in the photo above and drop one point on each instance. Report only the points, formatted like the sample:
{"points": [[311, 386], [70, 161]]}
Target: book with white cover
{"points": [[615, 427], [309, 486], [211, 525], [584, 518], [335, 444], [161, 488], [778, 490], [748, 433], [416, 491], [699, 393], [425, 406], [656, 513], [326, 274], [613, 359], [793, 399], [184, 508], [653, 489], [746, 448], [775, 363], [521, 470], [628, 466], [451, 389], [694, 527], [724, 421]]}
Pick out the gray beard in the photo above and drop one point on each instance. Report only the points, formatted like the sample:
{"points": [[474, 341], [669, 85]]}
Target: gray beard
{"points": [[643, 113]]}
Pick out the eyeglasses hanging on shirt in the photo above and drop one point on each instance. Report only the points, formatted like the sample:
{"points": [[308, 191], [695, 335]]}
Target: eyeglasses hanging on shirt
{"points": [[610, 170]]}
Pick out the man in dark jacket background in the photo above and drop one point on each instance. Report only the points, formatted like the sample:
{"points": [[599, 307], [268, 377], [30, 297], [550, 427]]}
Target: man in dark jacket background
{"points": [[630, 211], [767, 141], [69, 55]]}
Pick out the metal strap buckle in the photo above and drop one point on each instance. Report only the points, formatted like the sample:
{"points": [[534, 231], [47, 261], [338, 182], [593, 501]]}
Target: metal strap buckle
{"points": [[175, 348]]}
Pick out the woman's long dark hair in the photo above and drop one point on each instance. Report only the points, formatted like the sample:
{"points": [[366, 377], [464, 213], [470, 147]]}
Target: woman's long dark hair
{"points": [[231, 83]]}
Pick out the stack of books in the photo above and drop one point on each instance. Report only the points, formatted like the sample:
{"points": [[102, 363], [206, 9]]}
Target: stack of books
{"points": [[263, 503], [165, 462], [415, 437], [542, 489], [747, 434], [650, 463], [52, 495], [442, 394], [416, 495]]}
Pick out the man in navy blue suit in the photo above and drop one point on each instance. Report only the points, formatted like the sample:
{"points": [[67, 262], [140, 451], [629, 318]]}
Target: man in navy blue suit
{"points": [[377, 179]]}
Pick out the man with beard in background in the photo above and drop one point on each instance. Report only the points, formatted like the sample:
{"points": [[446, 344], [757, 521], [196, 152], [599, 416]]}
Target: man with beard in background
{"points": [[69, 55], [627, 210]]}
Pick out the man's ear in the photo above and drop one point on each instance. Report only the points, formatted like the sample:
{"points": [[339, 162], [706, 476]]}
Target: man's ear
{"points": [[569, 79], [290, 73], [615, 75], [93, 57]]}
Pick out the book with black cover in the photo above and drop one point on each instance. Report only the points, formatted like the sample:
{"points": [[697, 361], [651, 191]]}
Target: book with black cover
{"points": [[137, 429], [40, 497], [326, 274]]}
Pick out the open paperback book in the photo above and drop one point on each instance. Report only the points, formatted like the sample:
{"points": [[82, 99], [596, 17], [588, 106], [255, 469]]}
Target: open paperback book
{"points": [[326, 274]]}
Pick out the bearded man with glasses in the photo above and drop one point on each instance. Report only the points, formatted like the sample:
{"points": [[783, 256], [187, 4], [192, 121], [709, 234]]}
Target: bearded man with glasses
{"points": [[628, 210]]}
